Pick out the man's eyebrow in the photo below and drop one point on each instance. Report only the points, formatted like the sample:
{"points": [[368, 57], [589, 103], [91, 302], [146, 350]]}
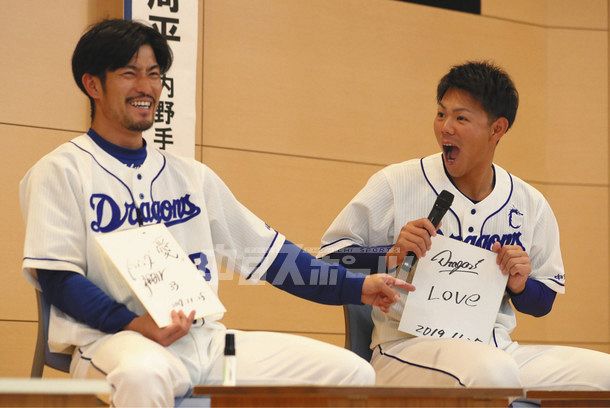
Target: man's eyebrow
{"points": [[135, 68], [455, 110]]}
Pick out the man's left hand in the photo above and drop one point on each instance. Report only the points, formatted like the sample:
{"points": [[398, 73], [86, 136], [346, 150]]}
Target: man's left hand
{"points": [[515, 263], [377, 290]]}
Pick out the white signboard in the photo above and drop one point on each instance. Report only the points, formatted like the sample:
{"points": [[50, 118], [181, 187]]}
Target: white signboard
{"points": [[177, 21], [459, 288], [159, 272]]}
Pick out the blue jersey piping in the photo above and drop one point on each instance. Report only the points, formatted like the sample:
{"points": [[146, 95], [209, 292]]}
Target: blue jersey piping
{"points": [[421, 163], [421, 366], [107, 171], [156, 177], [510, 194], [334, 242], [264, 256]]}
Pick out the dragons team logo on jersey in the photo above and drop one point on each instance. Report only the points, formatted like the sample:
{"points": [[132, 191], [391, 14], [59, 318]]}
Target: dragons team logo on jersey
{"points": [[515, 218], [485, 241], [109, 215]]}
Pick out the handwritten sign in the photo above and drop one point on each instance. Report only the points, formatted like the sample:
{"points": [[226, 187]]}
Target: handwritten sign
{"points": [[159, 273], [459, 288]]}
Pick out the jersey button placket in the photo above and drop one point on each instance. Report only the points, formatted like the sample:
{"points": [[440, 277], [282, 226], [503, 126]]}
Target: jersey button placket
{"points": [[139, 188], [472, 220]]}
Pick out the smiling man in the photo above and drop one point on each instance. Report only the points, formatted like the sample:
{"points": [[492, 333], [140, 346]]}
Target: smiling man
{"points": [[125, 99], [109, 180], [492, 209]]}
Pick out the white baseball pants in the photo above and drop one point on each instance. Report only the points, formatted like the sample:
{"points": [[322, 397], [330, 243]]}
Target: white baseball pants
{"points": [[422, 362], [143, 373]]}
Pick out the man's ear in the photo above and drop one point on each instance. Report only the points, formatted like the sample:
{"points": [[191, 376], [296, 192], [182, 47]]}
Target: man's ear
{"points": [[499, 128], [92, 85]]}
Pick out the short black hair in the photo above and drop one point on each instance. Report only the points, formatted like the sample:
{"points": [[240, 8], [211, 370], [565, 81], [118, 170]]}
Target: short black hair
{"points": [[110, 45], [489, 84]]}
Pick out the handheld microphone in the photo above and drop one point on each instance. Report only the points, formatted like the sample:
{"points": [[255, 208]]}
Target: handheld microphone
{"points": [[407, 268], [440, 207]]}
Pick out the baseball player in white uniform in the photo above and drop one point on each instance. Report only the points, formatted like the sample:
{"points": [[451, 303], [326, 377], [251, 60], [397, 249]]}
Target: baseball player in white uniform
{"points": [[109, 180], [492, 209]]}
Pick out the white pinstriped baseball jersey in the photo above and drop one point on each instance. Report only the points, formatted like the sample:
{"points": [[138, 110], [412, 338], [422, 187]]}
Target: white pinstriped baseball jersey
{"points": [[79, 190], [514, 213]]}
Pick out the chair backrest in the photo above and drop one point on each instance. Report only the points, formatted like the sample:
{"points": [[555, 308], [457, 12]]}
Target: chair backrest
{"points": [[42, 355], [358, 329]]}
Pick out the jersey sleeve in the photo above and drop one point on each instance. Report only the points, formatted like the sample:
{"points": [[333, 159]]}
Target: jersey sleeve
{"points": [[368, 220], [50, 194], [244, 240], [545, 252]]}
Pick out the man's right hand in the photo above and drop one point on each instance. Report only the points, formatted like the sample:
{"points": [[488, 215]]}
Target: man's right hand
{"points": [[179, 327], [414, 237]]}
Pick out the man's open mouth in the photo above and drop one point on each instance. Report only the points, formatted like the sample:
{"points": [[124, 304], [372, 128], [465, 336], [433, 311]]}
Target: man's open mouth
{"points": [[140, 103], [450, 152]]}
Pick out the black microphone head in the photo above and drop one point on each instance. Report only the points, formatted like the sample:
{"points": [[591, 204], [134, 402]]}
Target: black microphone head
{"points": [[440, 207], [445, 199]]}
